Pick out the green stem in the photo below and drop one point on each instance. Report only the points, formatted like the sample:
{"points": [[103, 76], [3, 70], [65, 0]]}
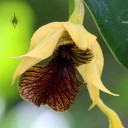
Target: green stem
{"points": [[76, 11], [71, 6]]}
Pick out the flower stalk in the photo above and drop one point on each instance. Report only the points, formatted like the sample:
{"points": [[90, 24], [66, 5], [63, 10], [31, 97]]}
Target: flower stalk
{"points": [[77, 16], [71, 6]]}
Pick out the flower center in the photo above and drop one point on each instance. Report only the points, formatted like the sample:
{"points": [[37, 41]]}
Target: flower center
{"points": [[68, 50]]}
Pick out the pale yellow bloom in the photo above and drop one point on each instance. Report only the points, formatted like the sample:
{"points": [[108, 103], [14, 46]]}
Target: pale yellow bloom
{"points": [[45, 41]]}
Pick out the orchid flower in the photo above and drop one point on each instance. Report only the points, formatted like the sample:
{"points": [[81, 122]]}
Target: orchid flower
{"points": [[71, 48]]}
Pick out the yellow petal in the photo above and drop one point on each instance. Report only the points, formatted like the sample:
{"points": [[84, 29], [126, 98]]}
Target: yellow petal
{"points": [[79, 35], [43, 50], [98, 55], [94, 94], [25, 64], [43, 32], [93, 70], [46, 47], [93, 77], [93, 91], [114, 121]]}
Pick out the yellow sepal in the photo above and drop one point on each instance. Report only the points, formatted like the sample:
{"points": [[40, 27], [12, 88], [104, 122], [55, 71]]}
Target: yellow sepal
{"points": [[79, 35], [40, 52], [44, 32], [114, 121]]}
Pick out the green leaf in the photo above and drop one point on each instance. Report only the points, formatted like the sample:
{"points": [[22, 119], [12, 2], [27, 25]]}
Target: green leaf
{"points": [[111, 17]]}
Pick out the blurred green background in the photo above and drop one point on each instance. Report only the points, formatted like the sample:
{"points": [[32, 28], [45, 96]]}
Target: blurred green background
{"points": [[16, 113]]}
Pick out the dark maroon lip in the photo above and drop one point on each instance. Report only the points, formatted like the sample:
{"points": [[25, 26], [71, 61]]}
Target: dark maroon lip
{"points": [[55, 84]]}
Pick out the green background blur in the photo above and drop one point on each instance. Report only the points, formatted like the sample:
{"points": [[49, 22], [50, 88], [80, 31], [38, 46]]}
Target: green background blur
{"points": [[16, 113]]}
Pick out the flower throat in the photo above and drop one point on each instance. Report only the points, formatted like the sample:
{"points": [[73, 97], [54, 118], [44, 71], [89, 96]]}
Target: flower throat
{"points": [[68, 50]]}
